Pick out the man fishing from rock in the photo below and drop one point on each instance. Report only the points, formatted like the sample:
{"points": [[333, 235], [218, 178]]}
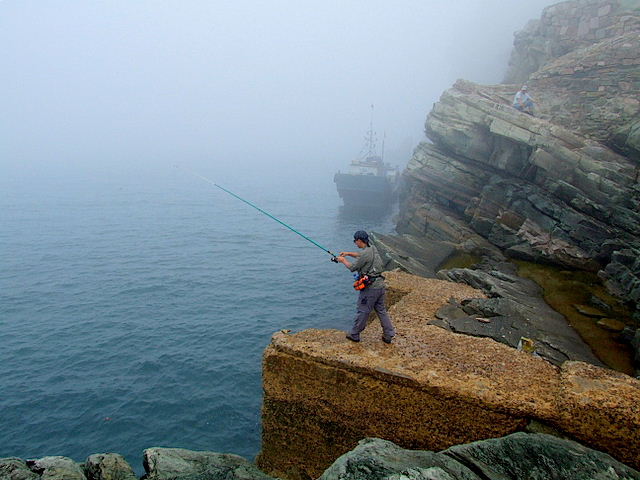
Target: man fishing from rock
{"points": [[371, 286]]}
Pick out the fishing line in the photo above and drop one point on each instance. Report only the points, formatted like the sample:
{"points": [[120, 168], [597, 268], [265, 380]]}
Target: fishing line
{"points": [[333, 255]]}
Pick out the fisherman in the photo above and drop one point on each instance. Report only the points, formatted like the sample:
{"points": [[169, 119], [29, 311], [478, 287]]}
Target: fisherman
{"points": [[368, 263], [523, 102]]}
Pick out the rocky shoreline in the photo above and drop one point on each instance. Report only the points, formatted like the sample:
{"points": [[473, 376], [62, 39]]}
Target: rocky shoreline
{"points": [[520, 455]]}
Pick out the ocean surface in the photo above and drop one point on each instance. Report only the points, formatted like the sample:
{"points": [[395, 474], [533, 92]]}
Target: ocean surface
{"points": [[134, 309]]}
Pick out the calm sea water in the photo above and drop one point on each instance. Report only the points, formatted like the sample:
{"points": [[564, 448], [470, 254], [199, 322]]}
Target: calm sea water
{"points": [[134, 312]]}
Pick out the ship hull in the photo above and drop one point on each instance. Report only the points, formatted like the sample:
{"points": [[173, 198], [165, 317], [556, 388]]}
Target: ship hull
{"points": [[364, 191]]}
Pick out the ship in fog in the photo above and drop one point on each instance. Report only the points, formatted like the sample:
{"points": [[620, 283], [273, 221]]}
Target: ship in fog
{"points": [[369, 183]]}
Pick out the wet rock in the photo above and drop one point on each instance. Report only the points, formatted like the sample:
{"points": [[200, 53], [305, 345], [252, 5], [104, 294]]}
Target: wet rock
{"points": [[516, 456], [57, 468], [15, 469], [516, 309], [589, 311], [599, 303], [611, 324], [108, 466], [181, 464]]}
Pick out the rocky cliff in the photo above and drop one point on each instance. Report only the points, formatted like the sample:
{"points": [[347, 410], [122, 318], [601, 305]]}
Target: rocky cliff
{"points": [[560, 188]]}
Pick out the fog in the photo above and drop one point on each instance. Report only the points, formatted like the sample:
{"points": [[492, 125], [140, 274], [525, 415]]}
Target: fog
{"points": [[285, 85]]}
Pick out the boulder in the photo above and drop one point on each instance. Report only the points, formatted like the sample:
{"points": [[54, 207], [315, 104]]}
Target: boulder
{"points": [[57, 468], [377, 459], [538, 457], [16, 469], [108, 466], [181, 464]]}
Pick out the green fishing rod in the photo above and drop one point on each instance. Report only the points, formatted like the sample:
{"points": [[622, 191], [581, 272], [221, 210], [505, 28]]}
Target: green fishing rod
{"points": [[333, 255]]}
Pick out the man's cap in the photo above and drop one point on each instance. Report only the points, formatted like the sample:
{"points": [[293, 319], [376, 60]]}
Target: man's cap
{"points": [[361, 235], [524, 87]]}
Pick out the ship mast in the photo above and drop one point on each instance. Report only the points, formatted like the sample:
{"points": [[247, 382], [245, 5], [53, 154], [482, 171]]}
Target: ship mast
{"points": [[370, 139]]}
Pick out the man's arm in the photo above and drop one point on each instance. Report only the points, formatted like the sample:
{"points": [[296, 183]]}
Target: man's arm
{"points": [[350, 254]]}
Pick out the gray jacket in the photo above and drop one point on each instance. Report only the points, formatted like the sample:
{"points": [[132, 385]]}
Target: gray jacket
{"points": [[369, 263]]}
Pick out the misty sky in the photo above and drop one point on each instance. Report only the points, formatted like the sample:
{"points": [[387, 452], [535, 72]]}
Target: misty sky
{"points": [[124, 82]]}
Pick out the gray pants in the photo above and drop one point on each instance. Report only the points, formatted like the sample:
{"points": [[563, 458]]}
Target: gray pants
{"points": [[370, 299]]}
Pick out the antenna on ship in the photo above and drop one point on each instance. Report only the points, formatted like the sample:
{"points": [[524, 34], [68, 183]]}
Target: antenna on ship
{"points": [[370, 141]]}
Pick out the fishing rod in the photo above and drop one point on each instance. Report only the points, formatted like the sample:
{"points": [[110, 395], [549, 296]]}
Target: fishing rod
{"points": [[333, 255]]}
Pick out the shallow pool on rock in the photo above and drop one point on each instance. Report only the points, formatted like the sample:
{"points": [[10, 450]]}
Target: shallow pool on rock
{"points": [[569, 292]]}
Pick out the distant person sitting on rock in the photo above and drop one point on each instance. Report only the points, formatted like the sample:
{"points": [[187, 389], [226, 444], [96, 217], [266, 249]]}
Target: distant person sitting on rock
{"points": [[368, 264], [523, 102]]}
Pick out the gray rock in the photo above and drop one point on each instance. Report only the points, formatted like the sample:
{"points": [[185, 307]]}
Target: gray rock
{"points": [[597, 302], [15, 469], [517, 456], [108, 466], [538, 457], [375, 459], [181, 464], [516, 309], [410, 255], [57, 468]]}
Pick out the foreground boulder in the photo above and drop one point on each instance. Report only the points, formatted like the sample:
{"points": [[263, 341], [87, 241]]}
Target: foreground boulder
{"points": [[57, 468], [516, 456], [181, 464], [108, 466], [15, 469]]}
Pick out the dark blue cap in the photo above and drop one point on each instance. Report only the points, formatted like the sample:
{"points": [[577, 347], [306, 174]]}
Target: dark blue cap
{"points": [[361, 235]]}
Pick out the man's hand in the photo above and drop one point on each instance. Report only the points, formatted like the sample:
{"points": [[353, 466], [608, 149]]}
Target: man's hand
{"points": [[343, 261]]}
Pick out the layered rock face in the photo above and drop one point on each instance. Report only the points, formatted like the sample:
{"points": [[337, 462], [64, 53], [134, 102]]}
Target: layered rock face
{"points": [[430, 389], [565, 27], [581, 59], [561, 187]]}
